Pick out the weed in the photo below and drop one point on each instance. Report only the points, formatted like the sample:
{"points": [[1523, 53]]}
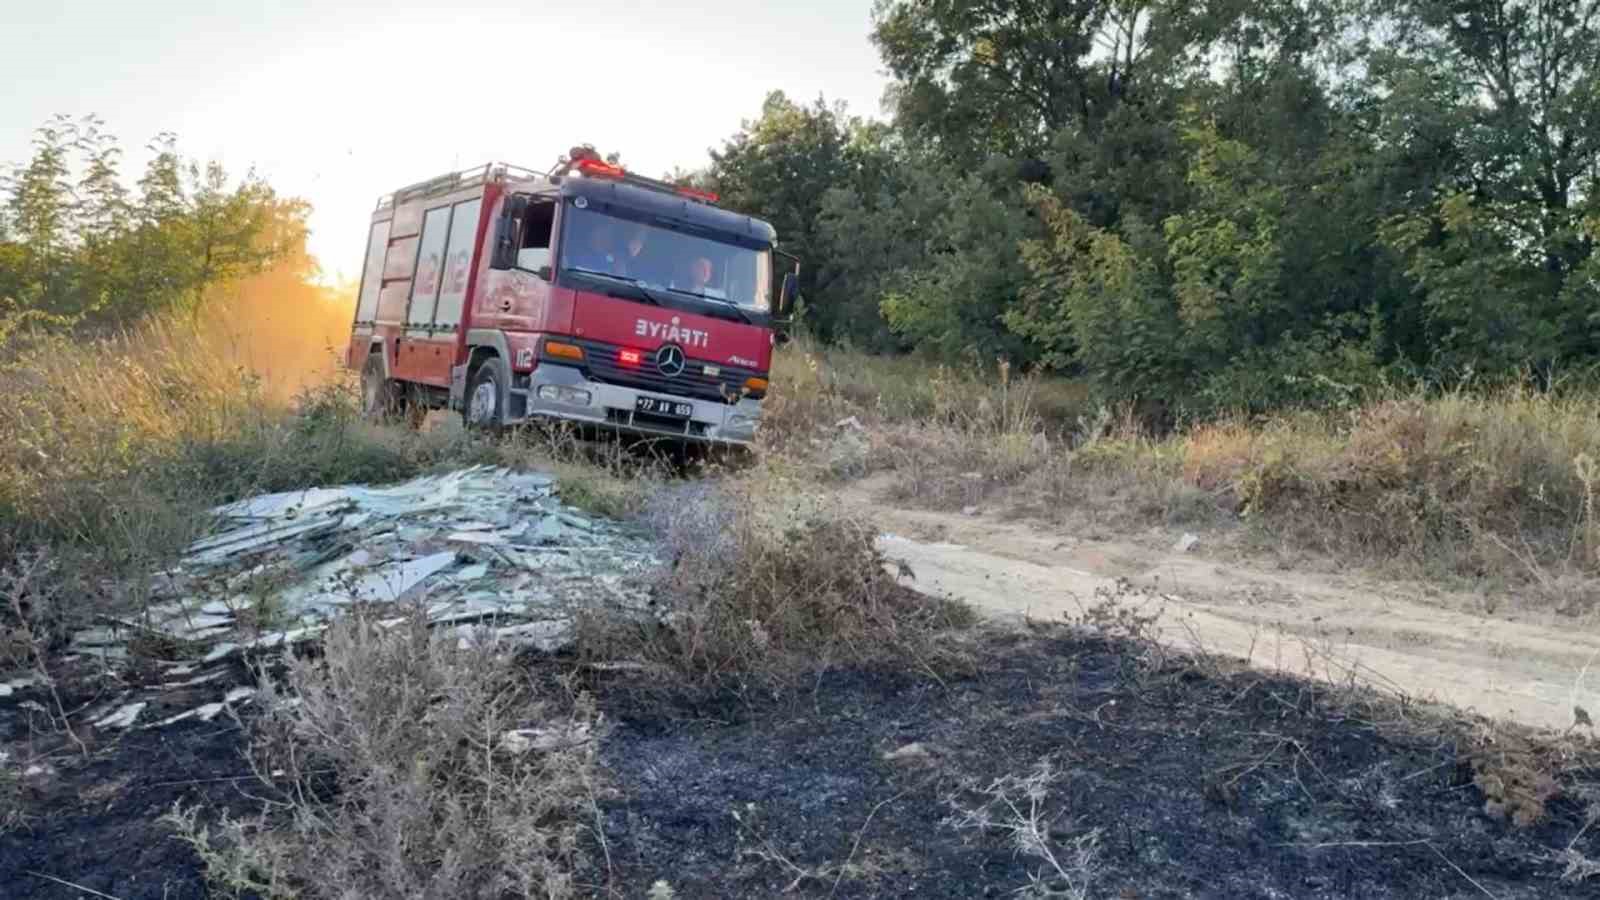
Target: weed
{"points": [[1516, 784], [767, 580], [405, 766], [13, 814], [1016, 806]]}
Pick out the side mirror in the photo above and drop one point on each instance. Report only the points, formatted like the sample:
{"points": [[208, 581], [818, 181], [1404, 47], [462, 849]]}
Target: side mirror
{"points": [[505, 233], [791, 287]]}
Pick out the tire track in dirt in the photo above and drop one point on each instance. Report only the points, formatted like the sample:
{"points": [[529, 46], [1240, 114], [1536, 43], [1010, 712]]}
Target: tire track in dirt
{"points": [[1334, 627]]}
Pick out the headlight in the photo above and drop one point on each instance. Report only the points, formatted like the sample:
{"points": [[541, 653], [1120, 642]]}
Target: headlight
{"points": [[560, 393], [741, 422]]}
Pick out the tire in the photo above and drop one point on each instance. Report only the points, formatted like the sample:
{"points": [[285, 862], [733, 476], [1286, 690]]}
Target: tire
{"points": [[484, 407], [380, 396]]}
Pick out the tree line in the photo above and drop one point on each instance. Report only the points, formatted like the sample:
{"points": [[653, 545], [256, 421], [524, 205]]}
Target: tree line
{"points": [[81, 249], [1208, 206]]}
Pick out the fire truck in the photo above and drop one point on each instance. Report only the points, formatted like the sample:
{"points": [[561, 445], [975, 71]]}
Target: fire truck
{"points": [[586, 293]]}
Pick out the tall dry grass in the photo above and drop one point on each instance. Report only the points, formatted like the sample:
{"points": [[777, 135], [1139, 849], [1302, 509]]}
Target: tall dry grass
{"points": [[111, 448], [1494, 487], [403, 764]]}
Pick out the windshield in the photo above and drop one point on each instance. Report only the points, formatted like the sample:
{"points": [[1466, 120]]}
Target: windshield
{"points": [[658, 256]]}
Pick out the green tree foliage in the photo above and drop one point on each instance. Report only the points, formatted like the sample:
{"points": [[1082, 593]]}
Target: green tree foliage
{"points": [[782, 166], [986, 77], [968, 269], [80, 247], [1496, 108], [1247, 204]]}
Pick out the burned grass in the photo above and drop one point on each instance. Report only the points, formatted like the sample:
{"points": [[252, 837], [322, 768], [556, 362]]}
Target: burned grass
{"points": [[1075, 766], [1066, 764]]}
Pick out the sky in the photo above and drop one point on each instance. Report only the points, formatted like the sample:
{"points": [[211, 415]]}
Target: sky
{"points": [[340, 102]]}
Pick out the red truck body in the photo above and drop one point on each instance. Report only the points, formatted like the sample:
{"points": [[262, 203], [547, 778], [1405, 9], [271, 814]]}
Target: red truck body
{"points": [[586, 294]]}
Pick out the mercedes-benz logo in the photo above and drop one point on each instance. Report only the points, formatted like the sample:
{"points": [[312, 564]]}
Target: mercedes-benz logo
{"points": [[669, 360]]}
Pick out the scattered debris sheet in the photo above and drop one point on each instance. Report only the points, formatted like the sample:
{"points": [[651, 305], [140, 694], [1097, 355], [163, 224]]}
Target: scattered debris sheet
{"points": [[491, 554]]}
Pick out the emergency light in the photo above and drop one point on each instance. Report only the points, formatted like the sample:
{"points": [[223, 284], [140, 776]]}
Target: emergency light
{"points": [[595, 167]]}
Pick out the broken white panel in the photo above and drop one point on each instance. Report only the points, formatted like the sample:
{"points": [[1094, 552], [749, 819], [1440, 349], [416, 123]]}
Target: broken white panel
{"points": [[285, 505], [98, 637], [544, 740], [548, 636], [196, 627], [220, 651], [200, 679], [470, 573], [205, 713], [104, 654], [122, 718], [477, 604], [282, 638], [233, 543], [550, 530], [476, 537], [239, 694], [386, 585], [577, 521]]}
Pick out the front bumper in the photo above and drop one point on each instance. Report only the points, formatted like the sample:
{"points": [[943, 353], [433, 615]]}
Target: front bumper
{"points": [[612, 406]]}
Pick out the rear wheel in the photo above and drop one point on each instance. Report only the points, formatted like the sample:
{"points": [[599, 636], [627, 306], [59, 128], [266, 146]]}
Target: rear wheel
{"points": [[486, 398]]}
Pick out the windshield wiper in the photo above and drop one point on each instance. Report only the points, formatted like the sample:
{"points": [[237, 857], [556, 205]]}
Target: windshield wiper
{"points": [[724, 301], [633, 282]]}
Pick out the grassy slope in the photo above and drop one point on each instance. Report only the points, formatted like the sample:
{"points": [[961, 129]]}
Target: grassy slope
{"points": [[1496, 490]]}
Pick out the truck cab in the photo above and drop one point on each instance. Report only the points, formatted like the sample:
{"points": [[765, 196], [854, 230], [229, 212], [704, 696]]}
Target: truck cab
{"points": [[586, 294]]}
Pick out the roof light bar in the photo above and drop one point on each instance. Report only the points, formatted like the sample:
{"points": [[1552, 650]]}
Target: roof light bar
{"points": [[698, 194], [596, 168]]}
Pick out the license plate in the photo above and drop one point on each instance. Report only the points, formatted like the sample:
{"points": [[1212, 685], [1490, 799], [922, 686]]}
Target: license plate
{"points": [[659, 406]]}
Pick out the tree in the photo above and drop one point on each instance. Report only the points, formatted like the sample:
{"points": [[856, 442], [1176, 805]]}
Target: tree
{"points": [[1494, 106], [980, 78], [780, 167], [79, 250]]}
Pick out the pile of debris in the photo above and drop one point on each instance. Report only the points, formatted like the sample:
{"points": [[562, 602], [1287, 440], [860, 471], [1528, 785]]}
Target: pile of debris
{"points": [[491, 554]]}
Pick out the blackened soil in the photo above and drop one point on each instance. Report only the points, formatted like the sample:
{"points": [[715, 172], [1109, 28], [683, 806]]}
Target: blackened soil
{"points": [[1199, 784], [95, 822]]}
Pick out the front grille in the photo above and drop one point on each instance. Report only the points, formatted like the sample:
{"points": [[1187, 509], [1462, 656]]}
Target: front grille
{"points": [[600, 362]]}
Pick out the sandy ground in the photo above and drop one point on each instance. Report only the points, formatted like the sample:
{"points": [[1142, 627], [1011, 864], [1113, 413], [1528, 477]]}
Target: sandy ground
{"points": [[1340, 627]]}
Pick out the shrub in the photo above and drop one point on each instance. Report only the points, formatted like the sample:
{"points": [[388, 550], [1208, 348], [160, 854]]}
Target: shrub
{"points": [[408, 766], [767, 580]]}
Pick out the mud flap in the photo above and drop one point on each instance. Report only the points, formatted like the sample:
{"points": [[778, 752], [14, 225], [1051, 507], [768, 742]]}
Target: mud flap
{"points": [[458, 386]]}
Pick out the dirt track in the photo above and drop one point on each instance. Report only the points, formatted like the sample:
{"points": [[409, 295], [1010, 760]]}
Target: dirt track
{"points": [[1382, 634]]}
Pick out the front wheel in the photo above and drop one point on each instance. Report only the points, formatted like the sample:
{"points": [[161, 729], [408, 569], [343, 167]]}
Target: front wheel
{"points": [[486, 398]]}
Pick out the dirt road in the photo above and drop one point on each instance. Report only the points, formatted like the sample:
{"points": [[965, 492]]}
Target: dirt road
{"points": [[1382, 634]]}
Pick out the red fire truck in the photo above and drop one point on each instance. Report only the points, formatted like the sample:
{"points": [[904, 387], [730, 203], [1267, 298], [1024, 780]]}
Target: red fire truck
{"points": [[586, 293]]}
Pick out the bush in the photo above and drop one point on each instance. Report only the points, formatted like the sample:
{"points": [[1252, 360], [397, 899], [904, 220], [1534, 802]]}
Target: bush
{"points": [[408, 766], [767, 581]]}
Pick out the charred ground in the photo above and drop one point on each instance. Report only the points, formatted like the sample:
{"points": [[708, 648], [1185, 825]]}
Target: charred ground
{"points": [[1200, 781]]}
